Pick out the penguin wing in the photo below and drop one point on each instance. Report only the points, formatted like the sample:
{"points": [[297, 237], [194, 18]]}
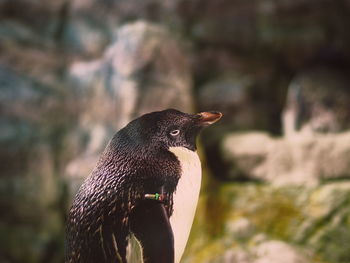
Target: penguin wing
{"points": [[150, 226]]}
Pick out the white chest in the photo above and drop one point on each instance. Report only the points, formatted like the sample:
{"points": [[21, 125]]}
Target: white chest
{"points": [[185, 198]]}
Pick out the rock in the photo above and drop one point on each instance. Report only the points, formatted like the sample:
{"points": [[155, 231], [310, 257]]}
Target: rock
{"points": [[242, 57], [230, 95], [250, 151], [276, 251], [92, 24], [243, 109], [40, 22], [147, 55], [85, 37], [325, 225], [317, 102], [226, 92], [89, 26], [144, 70], [230, 256], [241, 228], [11, 31], [30, 190], [259, 26], [297, 160], [291, 223]]}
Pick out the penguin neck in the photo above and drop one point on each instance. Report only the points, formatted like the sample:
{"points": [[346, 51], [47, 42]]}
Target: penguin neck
{"points": [[183, 154], [185, 197]]}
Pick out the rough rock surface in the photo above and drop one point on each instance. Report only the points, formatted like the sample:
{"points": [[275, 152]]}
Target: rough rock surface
{"points": [[317, 102], [231, 95], [30, 192], [299, 159], [47, 122], [254, 223], [276, 252]]}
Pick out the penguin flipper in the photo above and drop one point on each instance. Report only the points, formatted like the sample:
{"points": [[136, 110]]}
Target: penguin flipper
{"points": [[150, 225]]}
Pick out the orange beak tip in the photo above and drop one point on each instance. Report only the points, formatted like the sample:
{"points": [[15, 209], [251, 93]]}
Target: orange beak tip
{"points": [[209, 117]]}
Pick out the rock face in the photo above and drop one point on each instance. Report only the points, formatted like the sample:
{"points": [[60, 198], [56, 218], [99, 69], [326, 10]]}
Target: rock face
{"points": [[30, 191], [91, 25], [255, 223], [231, 95], [317, 102], [293, 204], [72, 72], [288, 160], [277, 251]]}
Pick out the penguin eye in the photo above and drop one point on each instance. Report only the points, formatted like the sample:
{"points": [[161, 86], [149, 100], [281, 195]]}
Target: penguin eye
{"points": [[175, 132]]}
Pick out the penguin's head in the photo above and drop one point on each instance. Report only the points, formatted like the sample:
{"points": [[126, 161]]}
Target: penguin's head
{"points": [[170, 128]]}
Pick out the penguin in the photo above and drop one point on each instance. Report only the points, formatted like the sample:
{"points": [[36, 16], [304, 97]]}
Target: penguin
{"points": [[138, 204]]}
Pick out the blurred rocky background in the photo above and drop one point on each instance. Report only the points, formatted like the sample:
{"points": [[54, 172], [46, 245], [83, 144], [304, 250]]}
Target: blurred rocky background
{"points": [[277, 171]]}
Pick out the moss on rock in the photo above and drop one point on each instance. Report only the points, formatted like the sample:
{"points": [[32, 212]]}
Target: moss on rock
{"points": [[235, 217]]}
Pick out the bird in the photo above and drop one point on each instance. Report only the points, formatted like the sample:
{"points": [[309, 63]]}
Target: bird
{"points": [[138, 203]]}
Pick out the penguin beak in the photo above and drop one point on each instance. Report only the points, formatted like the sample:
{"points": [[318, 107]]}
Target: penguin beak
{"points": [[209, 117]]}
